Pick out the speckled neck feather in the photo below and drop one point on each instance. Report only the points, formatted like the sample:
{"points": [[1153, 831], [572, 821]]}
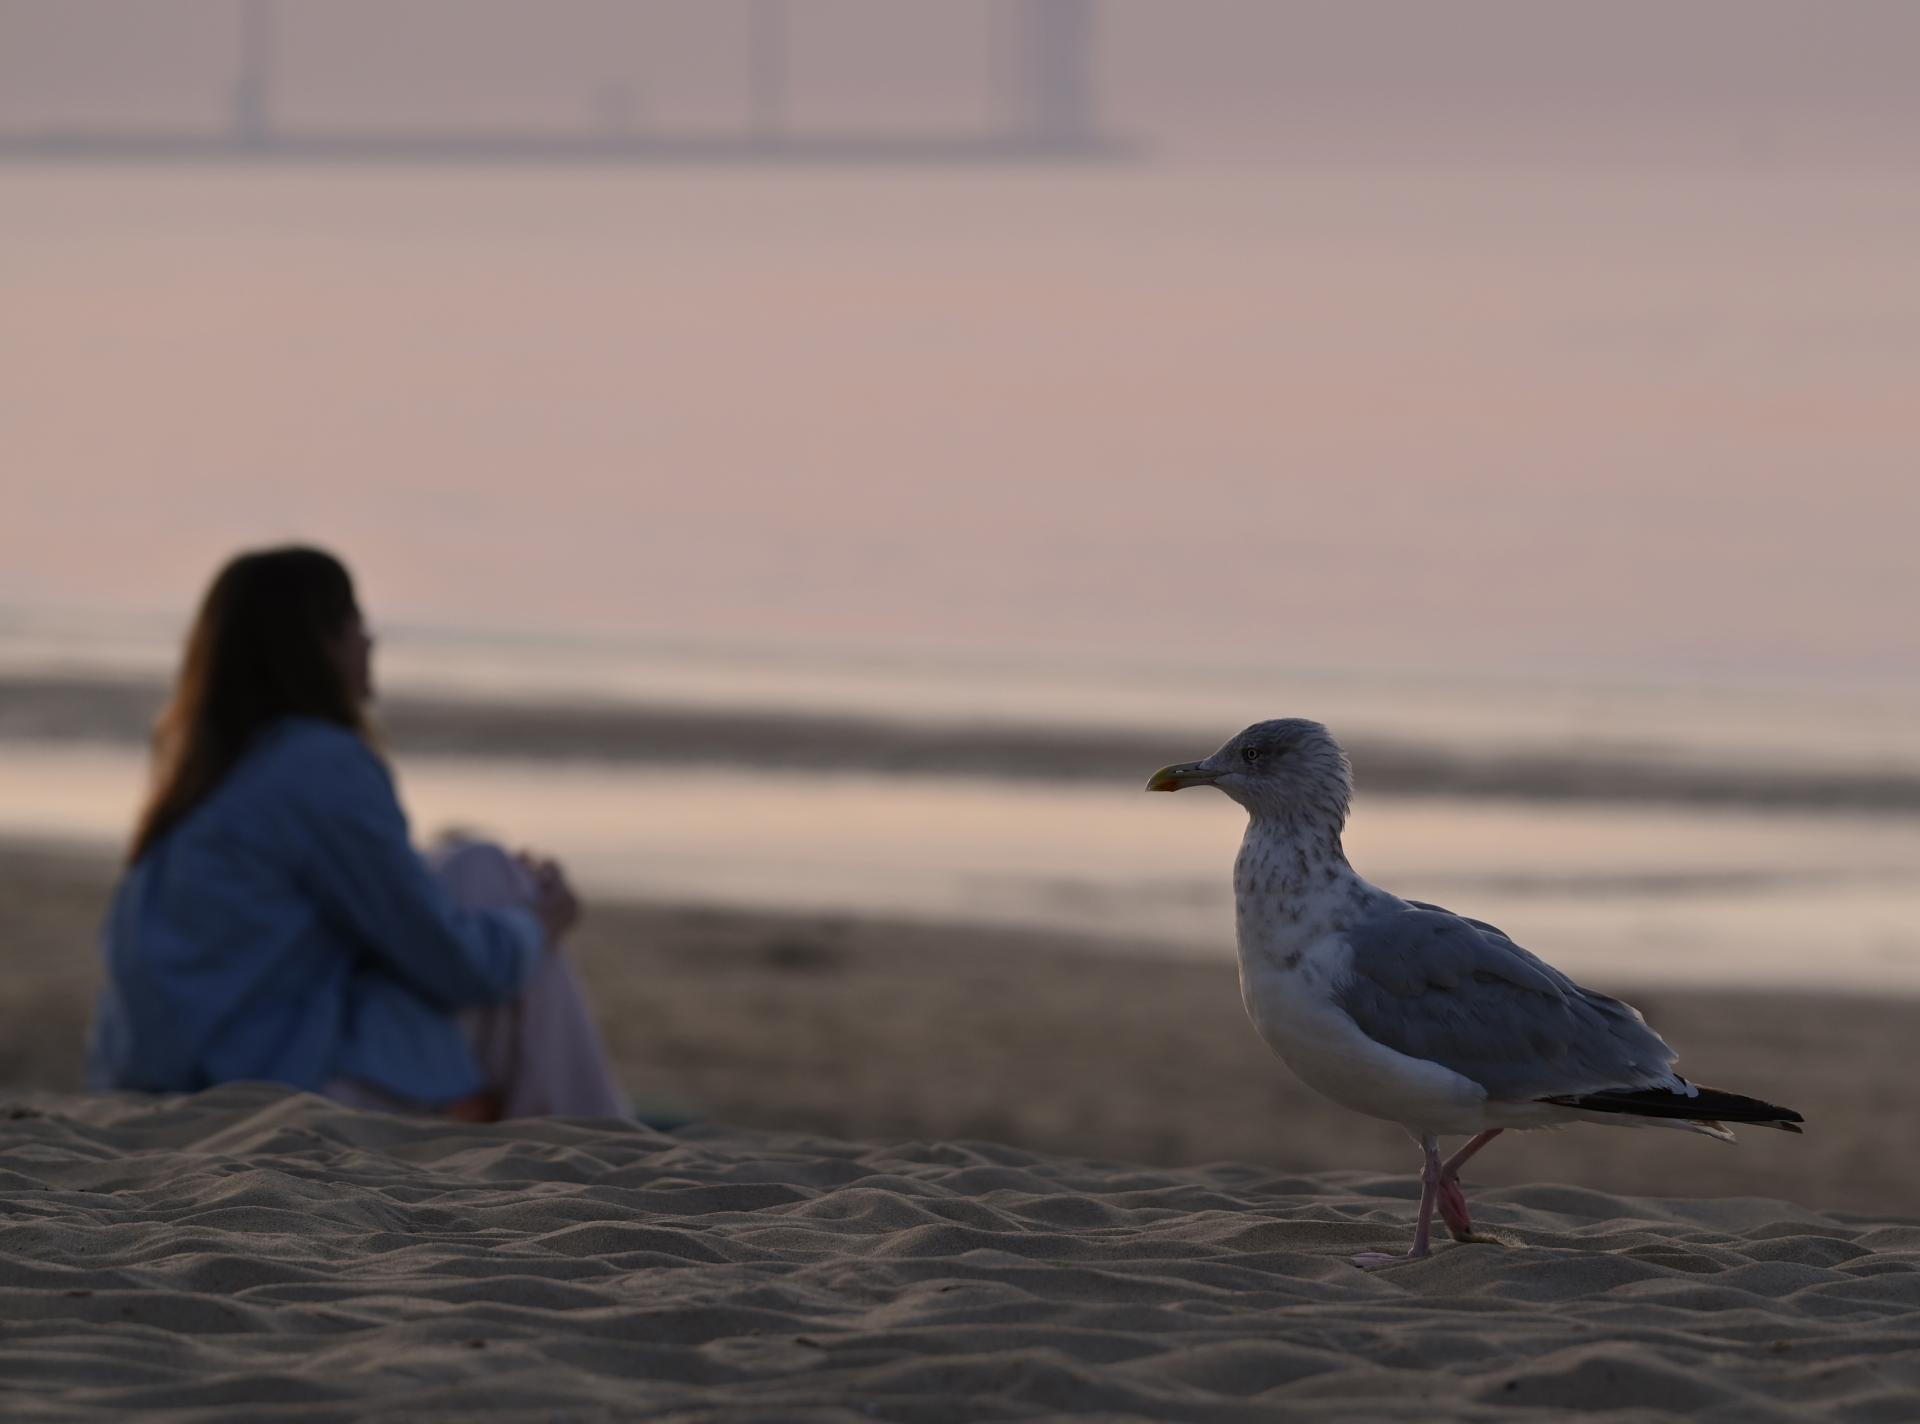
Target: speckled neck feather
{"points": [[1292, 884]]}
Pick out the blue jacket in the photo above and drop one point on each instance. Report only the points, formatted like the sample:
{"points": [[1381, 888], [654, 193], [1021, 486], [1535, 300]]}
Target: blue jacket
{"points": [[286, 929]]}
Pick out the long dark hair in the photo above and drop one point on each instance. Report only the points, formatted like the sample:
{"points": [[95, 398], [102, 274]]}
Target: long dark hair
{"points": [[261, 648]]}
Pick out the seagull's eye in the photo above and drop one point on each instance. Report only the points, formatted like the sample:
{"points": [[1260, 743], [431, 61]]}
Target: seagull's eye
{"points": [[1249, 754]]}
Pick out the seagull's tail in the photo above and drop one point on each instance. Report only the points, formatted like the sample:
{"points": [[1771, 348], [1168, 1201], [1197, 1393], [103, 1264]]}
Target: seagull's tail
{"points": [[1705, 1110]]}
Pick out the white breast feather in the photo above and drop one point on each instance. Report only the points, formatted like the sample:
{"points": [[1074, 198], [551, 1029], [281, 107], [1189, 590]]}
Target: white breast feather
{"points": [[1289, 974]]}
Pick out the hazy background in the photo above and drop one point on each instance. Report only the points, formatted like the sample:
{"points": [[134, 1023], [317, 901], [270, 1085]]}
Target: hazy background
{"points": [[1724, 82], [1493, 377]]}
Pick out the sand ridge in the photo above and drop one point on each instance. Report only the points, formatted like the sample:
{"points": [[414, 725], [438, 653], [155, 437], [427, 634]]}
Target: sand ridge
{"points": [[252, 1253]]}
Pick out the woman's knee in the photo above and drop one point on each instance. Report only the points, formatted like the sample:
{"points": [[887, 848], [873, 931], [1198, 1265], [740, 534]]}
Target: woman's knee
{"points": [[481, 874]]}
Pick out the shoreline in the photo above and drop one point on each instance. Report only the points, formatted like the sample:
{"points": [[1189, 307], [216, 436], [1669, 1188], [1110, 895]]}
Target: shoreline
{"points": [[77, 710], [866, 1027]]}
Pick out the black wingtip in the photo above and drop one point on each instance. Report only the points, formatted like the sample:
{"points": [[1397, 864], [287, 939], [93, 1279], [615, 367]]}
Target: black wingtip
{"points": [[1705, 1105]]}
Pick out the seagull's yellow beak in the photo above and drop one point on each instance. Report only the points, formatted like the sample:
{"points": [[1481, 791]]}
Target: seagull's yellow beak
{"points": [[1183, 774]]}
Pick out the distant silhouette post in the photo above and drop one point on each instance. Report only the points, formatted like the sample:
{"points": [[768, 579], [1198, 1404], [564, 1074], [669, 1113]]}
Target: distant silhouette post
{"points": [[1053, 86], [768, 58], [252, 111]]}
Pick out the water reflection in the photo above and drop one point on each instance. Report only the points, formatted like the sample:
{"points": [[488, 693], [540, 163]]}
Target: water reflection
{"points": [[1616, 894]]}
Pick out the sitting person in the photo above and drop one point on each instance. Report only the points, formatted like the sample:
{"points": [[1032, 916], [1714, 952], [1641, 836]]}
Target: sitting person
{"points": [[275, 921]]}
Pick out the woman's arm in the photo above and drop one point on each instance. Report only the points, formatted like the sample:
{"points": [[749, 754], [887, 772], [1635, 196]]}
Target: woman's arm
{"points": [[358, 862]]}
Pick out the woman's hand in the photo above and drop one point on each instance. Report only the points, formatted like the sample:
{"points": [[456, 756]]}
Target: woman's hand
{"points": [[553, 899]]}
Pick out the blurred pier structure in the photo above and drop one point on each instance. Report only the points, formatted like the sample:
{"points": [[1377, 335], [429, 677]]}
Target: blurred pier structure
{"points": [[1046, 113]]}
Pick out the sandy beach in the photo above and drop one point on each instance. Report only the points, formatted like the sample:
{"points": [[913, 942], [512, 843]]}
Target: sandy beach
{"points": [[865, 1028], [252, 1253], [937, 1172]]}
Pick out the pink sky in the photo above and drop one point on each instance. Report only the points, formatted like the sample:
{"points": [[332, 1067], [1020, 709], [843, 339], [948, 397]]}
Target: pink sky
{"points": [[1604, 422]]}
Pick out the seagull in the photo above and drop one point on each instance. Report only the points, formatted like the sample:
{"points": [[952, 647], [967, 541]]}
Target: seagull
{"points": [[1405, 1011]]}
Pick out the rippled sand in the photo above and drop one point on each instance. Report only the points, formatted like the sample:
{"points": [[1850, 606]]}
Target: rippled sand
{"points": [[252, 1253]]}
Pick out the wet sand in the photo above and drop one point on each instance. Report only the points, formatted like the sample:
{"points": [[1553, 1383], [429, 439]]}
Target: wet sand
{"points": [[873, 1029]]}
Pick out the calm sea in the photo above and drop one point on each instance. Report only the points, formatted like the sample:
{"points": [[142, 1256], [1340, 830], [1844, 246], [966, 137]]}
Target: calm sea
{"points": [[1621, 893]]}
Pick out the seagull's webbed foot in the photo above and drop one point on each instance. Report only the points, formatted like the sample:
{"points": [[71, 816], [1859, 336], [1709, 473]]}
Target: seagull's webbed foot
{"points": [[1476, 1238], [1451, 1201], [1374, 1260], [1430, 1190]]}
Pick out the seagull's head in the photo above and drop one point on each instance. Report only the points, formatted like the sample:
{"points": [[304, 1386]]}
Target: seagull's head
{"points": [[1289, 768]]}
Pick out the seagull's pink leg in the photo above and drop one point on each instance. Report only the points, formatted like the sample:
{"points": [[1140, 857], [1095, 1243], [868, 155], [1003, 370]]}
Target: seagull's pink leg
{"points": [[1423, 1229], [1453, 1201], [1451, 1167]]}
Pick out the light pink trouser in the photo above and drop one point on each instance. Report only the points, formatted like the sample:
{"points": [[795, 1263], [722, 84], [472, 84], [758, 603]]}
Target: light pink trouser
{"points": [[540, 1051]]}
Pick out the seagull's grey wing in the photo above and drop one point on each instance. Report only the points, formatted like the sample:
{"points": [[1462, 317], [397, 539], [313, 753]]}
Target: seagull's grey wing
{"points": [[1477, 924], [1458, 992]]}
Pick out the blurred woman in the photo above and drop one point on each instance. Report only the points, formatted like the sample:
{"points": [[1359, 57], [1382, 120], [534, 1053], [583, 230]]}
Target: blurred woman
{"points": [[275, 921]]}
